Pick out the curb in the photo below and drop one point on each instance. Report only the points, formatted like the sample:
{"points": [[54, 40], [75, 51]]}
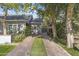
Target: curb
{"points": [[45, 47]]}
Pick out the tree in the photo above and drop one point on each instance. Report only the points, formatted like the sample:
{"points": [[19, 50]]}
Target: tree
{"points": [[5, 8], [49, 11], [70, 37]]}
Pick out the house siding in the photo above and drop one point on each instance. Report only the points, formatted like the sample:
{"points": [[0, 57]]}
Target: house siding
{"points": [[19, 25]]}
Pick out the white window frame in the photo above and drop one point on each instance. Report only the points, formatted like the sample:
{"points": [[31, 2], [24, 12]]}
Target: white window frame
{"points": [[13, 26]]}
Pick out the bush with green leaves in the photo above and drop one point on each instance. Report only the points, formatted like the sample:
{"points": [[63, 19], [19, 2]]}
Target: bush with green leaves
{"points": [[18, 37], [61, 30], [27, 30], [21, 35]]}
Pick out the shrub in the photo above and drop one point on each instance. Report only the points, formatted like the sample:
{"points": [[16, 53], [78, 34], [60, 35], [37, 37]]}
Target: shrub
{"points": [[61, 32], [21, 35], [18, 37], [27, 30]]}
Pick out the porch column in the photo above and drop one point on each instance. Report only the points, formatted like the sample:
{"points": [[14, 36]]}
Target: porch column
{"points": [[4, 28]]}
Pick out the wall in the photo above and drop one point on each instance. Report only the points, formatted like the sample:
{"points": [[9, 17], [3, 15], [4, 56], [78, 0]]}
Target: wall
{"points": [[5, 39]]}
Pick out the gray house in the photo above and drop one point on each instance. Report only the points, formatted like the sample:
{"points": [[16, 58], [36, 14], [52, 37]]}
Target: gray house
{"points": [[36, 25], [14, 23]]}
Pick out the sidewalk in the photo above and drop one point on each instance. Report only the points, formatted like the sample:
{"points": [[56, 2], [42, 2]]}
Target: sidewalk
{"points": [[23, 49]]}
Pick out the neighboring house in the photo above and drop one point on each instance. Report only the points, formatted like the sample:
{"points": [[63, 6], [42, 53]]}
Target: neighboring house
{"points": [[15, 23], [36, 25]]}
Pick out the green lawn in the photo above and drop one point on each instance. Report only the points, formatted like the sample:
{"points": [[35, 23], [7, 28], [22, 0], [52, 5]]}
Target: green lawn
{"points": [[38, 48], [72, 51], [4, 49]]}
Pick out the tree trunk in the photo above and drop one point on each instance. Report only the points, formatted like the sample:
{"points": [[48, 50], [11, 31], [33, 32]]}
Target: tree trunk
{"points": [[4, 23], [4, 28], [70, 37], [54, 27]]}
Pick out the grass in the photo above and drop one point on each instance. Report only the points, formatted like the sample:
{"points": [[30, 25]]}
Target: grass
{"points": [[73, 51], [4, 49], [38, 48]]}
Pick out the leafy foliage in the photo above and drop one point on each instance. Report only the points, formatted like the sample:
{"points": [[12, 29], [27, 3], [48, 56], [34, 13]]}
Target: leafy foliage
{"points": [[21, 35], [18, 37], [27, 30]]}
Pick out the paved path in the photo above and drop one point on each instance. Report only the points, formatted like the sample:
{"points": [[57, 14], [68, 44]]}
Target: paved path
{"points": [[23, 49], [54, 49]]}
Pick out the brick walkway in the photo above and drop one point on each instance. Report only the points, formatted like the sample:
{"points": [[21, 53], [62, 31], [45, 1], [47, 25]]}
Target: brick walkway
{"points": [[54, 49], [23, 49]]}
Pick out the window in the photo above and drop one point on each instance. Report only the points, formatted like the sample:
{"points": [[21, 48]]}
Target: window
{"points": [[15, 29], [12, 28], [9, 29]]}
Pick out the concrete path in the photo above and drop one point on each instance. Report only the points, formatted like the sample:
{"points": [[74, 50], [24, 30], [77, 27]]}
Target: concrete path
{"points": [[54, 49], [23, 49]]}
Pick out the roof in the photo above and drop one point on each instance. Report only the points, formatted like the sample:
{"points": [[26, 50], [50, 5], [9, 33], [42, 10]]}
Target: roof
{"points": [[16, 17], [36, 21], [29, 19]]}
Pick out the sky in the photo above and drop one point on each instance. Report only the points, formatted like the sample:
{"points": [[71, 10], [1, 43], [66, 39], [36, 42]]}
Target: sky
{"points": [[12, 12]]}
